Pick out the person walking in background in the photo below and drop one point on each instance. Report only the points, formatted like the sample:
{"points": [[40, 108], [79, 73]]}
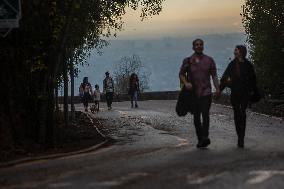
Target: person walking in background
{"points": [[97, 97], [240, 77], [133, 89], [86, 91], [195, 75], [108, 89]]}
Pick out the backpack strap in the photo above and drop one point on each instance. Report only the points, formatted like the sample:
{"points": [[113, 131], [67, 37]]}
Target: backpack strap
{"points": [[188, 76]]}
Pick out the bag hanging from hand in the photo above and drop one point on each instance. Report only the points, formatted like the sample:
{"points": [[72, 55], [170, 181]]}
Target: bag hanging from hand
{"points": [[185, 102], [186, 98]]}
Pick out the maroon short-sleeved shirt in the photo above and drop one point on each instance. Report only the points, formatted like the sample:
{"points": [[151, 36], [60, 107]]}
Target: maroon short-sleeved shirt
{"points": [[201, 68]]}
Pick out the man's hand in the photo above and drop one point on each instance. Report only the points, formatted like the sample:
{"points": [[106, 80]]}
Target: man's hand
{"points": [[217, 87], [188, 86]]}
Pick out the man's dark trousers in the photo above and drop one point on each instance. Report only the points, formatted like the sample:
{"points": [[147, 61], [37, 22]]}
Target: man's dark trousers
{"points": [[109, 98], [202, 108]]}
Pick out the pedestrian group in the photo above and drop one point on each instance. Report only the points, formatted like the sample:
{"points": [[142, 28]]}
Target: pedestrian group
{"points": [[196, 95], [87, 94], [239, 76]]}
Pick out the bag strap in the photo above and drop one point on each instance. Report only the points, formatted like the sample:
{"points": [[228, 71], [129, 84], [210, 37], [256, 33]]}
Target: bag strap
{"points": [[189, 70]]}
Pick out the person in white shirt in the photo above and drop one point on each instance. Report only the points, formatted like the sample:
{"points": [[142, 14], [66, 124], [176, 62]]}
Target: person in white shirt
{"points": [[97, 97]]}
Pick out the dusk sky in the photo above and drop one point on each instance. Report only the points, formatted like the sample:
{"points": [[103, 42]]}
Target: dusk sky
{"points": [[181, 18], [173, 30]]}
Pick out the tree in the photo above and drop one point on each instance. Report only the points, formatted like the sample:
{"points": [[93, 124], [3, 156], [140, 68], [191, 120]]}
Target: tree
{"points": [[264, 24], [125, 67], [34, 57]]}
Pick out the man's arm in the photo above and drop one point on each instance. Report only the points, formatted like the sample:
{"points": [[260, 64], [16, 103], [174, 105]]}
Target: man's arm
{"points": [[216, 85], [91, 89], [104, 85], [182, 74], [215, 79], [112, 84]]}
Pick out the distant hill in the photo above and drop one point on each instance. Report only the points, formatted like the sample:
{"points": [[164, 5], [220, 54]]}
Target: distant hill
{"points": [[161, 57]]}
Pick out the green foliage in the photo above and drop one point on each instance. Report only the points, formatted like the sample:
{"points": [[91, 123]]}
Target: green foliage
{"points": [[264, 23]]}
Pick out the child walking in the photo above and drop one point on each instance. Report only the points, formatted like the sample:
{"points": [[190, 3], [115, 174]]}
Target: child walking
{"points": [[97, 97]]}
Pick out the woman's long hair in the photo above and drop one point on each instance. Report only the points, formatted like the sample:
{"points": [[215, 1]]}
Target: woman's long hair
{"points": [[243, 50], [132, 76]]}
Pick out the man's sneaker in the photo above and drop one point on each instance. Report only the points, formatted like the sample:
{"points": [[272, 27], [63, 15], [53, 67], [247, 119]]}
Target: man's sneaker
{"points": [[241, 143], [136, 106], [204, 143], [199, 145]]}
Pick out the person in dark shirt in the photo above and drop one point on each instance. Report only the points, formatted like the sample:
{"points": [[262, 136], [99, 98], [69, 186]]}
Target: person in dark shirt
{"points": [[240, 77], [133, 89], [86, 91], [108, 89], [202, 68]]}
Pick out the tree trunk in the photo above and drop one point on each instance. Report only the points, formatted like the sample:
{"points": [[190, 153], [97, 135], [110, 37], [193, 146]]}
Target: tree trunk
{"points": [[50, 126], [72, 91], [65, 80], [56, 98]]}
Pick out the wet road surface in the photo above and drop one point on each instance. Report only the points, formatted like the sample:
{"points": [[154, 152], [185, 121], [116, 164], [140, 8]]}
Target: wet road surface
{"points": [[154, 148]]}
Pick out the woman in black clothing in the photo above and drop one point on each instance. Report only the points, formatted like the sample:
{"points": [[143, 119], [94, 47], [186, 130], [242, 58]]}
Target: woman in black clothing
{"points": [[240, 77], [133, 89]]}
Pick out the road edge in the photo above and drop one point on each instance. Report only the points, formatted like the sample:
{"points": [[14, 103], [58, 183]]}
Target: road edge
{"points": [[59, 155]]}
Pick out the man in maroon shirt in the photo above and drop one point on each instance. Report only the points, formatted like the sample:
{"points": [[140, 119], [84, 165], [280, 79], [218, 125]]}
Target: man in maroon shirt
{"points": [[195, 75]]}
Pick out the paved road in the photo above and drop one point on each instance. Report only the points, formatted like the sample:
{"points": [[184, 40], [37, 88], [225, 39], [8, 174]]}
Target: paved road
{"points": [[156, 149]]}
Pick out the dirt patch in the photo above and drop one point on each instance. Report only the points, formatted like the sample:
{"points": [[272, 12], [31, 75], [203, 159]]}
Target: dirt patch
{"points": [[80, 134]]}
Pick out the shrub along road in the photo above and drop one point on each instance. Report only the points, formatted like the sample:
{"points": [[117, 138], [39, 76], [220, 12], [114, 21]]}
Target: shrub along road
{"points": [[154, 148]]}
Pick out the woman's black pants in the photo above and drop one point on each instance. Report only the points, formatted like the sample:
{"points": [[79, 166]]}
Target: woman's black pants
{"points": [[240, 104]]}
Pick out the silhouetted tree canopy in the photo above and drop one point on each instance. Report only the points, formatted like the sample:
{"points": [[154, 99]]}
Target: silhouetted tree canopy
{"points": [[264, 23], [34, 57]]}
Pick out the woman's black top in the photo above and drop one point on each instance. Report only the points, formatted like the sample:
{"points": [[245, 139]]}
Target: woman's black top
{"points": [[242, 77]]}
